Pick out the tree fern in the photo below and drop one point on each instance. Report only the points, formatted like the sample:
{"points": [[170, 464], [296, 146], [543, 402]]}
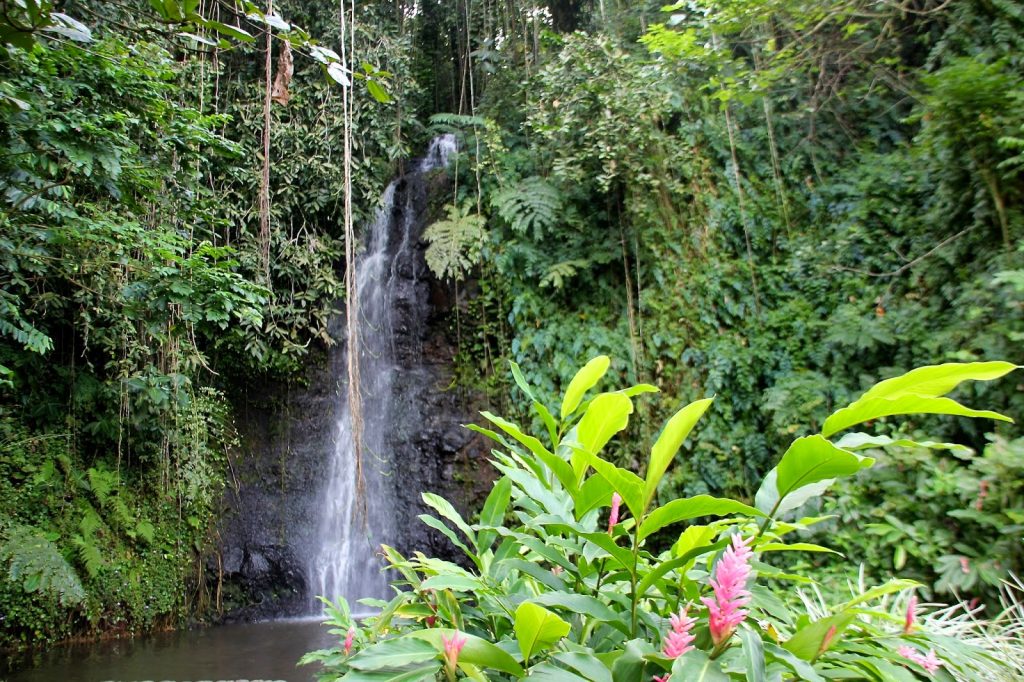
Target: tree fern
{"points": [[533, 205], [453, 123], [561, 272], [453, 245], [85, 541], [37, 564]]}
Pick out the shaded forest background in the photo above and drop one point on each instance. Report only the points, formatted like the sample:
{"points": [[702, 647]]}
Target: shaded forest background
{"points": [[773, 201]]}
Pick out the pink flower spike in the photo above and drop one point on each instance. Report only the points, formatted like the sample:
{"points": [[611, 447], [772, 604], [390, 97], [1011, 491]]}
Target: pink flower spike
{"points": [[908, 623], [663, 678], [679, 639], [725, 610], [613, 518], [930, 662], [452, 647], [348, 640]]}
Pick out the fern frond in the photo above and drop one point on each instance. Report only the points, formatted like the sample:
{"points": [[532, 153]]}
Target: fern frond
{"points": [[89, 554], [91, 520], [534, 205], [37, 564], [453, 123], [453, 245], [145, 530], [559, 273], [101, 482]]}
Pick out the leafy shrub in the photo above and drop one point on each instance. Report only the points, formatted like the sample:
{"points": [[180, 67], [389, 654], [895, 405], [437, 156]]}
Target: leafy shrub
{"points": [[556, 590]]}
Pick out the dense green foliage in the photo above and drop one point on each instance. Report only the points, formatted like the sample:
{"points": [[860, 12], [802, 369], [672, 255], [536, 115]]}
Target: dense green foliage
{"points": [[133, 299], [778, 202], [550, 594]]}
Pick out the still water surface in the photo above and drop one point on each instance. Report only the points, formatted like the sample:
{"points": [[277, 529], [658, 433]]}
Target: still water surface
{"points": [[253, 651]]}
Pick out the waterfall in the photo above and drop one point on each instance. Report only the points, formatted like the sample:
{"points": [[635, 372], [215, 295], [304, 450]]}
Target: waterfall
{"points": [[347, 563]]}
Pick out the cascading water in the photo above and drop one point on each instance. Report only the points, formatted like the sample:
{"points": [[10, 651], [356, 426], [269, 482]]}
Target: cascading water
{"points": [[387, 272]]}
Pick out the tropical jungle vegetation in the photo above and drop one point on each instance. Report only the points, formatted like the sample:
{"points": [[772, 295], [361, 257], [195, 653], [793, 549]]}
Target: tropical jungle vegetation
{"points": [[778, 203]]}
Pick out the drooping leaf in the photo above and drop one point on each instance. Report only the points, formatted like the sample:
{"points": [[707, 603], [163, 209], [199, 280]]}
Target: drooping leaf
{"points": [[692, 508], [393, 653], [918, 392]]}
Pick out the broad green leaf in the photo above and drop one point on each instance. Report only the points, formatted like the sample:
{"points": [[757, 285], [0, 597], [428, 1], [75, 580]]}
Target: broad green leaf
{"points": [[426, 673], [377, 91], [537, 628], [625, 482], [692, 508], [665, 448], [586, 606], [802, 668], [546, 672], [632, 665], [549, 421], [809, 460], [439, 526], [695, 666], [863, 441], [918, 392], [793, 547], [895, 585], [753, 653], [638, 389], [621, 555], [767, 497], [938, 380], [585, 664], [445, 509], [338, 74], [235, 32], [517, 375], [556, 464], [595, 492], [806, 642], [654, 575], [584, 380], [393, 653], [493, 512], [458, 583], [476, 651]]}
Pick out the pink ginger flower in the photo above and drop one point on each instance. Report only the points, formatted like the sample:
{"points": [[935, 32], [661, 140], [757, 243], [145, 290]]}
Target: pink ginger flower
{"points": [[613, 518], [930, 662], [452, 647], [725, 610], [679, 639], [663, 678], [348, 640], [908, 623]]}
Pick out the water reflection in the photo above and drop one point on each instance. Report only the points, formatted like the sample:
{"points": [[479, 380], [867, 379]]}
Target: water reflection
{"points": [[255, 651]]}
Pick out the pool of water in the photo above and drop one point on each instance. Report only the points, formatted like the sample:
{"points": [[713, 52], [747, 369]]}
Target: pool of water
{"points": [[252, 651]]}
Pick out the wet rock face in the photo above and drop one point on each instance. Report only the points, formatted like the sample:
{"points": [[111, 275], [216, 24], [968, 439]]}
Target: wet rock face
{"points": [[271, 507]]}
